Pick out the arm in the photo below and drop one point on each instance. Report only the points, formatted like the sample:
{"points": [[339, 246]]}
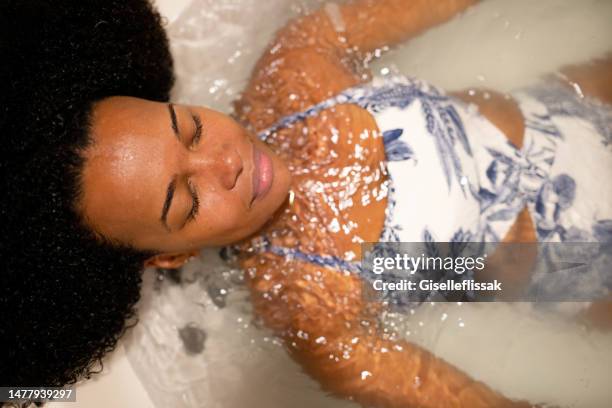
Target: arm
{"points": [[331, 331], [310, 60], [365, 24], [372, 24], [593, 79]]}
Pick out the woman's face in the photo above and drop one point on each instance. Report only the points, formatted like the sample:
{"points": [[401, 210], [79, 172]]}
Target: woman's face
{"points": [[176, 178]]}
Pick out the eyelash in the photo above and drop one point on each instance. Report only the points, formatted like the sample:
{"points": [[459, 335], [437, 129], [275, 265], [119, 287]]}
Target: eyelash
{"points": [[196, 202], [198, 132]]}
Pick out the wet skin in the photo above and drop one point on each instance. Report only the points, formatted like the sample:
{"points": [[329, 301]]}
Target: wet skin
{"points": [[136, 153], [176, 178]]}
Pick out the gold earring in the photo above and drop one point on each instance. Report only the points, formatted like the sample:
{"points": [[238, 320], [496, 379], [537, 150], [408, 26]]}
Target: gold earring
{"points": [[291, 197]]}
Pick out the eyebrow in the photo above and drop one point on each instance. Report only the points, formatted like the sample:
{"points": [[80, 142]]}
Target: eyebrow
{"points": [[174, 121], [168, 202]]}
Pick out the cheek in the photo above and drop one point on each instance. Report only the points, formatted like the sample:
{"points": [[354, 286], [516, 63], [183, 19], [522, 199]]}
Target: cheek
{"points": [[222, 213], [224, 221]]}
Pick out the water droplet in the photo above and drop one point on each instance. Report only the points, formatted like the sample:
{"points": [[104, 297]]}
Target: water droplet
{"points": [[417, 381], [321, 340]]}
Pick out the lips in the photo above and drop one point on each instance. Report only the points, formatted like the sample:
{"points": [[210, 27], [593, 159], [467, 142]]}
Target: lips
{"points": [[263, 174]]}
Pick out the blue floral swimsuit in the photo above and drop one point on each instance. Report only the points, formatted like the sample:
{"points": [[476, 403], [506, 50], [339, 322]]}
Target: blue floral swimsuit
{"points": [[456, 178]]}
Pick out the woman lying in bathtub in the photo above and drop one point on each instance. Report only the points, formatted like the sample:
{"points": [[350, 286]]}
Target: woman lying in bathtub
{"points": [[106, 175]]}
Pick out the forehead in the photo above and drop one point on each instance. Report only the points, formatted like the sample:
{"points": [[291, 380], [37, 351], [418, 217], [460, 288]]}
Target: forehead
{"points": [[126, 167]]}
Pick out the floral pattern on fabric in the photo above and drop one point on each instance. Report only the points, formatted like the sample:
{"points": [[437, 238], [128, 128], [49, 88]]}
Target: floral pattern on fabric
{"points": [[455, 178]]}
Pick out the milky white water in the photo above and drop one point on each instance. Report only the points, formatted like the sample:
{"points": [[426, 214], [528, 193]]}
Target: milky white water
{"points": [[522, 351]]}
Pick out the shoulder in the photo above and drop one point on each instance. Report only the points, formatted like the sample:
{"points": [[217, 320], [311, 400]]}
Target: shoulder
{"points": [[294, 295], [290, 81]]}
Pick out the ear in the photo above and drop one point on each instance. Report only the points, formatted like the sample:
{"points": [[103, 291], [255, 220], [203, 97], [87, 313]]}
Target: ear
{"points": [[170, 260]]}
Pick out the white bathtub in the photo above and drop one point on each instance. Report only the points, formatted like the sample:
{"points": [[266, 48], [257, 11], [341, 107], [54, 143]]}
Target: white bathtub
{"points": [[522, 39]]}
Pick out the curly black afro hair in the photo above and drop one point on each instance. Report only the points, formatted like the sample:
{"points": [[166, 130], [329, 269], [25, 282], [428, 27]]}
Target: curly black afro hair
{"points": [[66, 295]]}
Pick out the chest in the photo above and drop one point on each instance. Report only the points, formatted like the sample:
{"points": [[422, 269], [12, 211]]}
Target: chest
{"points": [[340, 184]]}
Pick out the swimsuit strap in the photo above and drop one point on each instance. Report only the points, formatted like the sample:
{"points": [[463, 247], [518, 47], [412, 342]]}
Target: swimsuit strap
{"points": [[262, 244], [327, 261], [375, 95]]}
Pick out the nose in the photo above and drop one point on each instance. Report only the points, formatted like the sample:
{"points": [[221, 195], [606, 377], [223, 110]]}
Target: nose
{"points": [[223, 163]]}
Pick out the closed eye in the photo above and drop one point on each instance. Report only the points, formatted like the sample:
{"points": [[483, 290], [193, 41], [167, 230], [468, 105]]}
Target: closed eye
{"points": [[198, 130], [195, 207]]}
